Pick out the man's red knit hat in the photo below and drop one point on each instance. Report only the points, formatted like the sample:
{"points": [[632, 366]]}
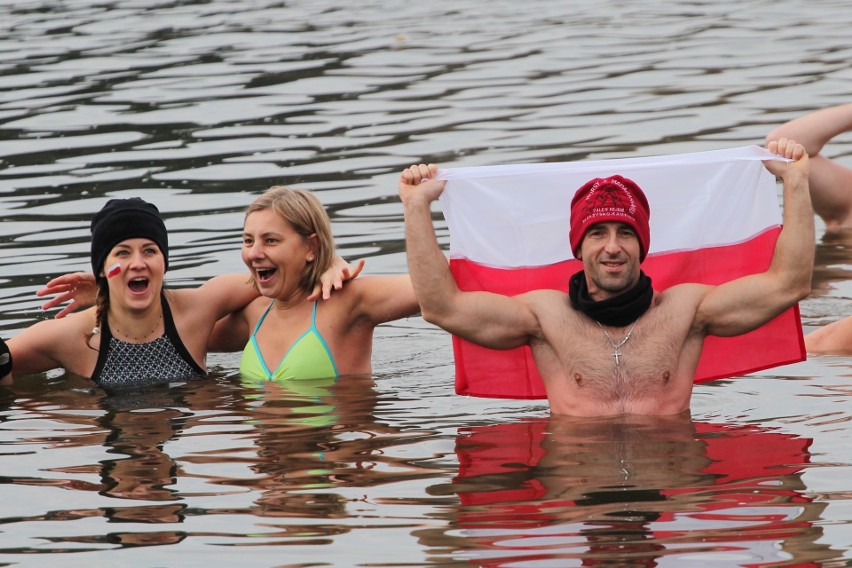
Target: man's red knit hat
{"points": [[615, 199]]}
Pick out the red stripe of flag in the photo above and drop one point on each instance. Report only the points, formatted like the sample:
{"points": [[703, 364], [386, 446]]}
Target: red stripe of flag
{"points": [[512, 373]]}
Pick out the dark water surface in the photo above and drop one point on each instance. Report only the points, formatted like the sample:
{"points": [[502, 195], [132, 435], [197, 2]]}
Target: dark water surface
{"points": [[199, 106]]}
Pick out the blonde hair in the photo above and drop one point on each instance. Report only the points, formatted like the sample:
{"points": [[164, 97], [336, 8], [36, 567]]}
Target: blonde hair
{"points": [[306, 215]]}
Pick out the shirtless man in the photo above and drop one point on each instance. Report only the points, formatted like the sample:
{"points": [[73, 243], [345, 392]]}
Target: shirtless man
{"points": [[639, 353]]}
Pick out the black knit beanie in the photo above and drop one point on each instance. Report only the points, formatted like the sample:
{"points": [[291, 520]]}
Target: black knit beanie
{"points": [[122, 219]]}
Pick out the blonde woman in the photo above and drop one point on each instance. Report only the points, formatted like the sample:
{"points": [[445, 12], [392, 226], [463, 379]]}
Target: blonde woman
{"points": [[287, 244], [138, 333]]}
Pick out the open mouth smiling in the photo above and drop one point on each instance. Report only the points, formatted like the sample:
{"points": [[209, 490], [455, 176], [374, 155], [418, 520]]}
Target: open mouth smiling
{"points": [[138, 285], [264, 274]]}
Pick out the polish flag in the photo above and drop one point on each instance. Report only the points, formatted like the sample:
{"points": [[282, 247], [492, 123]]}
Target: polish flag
{"points": [[714, 217]]}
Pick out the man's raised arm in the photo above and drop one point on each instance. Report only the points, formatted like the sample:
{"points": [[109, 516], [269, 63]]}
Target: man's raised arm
{"points": [[488, 319], [744, 304]]}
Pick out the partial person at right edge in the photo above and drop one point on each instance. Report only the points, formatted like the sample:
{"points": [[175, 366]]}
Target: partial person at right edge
{"points": [[613, 345], [830, 182], [831, 193]]}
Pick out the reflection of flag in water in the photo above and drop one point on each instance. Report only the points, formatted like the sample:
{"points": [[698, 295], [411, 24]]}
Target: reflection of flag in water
{"points": [[505, 457], [714, 217], [598, 492]]}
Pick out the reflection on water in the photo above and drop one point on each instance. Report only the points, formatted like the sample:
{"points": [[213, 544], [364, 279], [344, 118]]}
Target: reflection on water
{"points": [[307, 466], [638, 489], [200, 105], [310, 452]]}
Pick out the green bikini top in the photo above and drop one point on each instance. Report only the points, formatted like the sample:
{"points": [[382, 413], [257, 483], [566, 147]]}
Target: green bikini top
{"points": [[308, 358]]}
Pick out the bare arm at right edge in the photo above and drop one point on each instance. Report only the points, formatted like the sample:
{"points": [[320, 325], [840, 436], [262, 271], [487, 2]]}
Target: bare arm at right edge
{"points": [[491, 320], [815, 129], [830, 181]]}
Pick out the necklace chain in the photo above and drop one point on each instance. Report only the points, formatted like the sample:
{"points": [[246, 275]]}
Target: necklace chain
{"points": [[141, 337], [615, 347]]}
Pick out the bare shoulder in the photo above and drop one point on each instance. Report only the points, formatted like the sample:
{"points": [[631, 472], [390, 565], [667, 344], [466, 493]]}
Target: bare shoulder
{"points": [[352, 299], [376, 299], [543, 302], [257, 306], [682, 293], [543, 295], [679, 306], [183, 299], [375, 285]]}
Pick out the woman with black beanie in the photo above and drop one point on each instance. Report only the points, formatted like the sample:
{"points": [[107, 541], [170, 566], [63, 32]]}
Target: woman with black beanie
{"points": [[138, 333]]}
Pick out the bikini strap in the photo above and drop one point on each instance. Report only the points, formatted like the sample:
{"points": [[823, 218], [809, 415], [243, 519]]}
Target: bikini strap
{"points": [[262, 317], [314, 315]]}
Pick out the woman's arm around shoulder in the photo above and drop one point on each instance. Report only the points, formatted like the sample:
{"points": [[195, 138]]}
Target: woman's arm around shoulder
{"points": [[50, 344], [221, 295], [232, 332]]}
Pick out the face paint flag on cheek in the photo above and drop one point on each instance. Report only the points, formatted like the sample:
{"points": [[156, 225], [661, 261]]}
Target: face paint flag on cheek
{"points": [[114, 270]]}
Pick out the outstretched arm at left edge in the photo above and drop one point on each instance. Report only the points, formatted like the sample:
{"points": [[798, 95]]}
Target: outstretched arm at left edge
{"points": [[746, 303]]}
